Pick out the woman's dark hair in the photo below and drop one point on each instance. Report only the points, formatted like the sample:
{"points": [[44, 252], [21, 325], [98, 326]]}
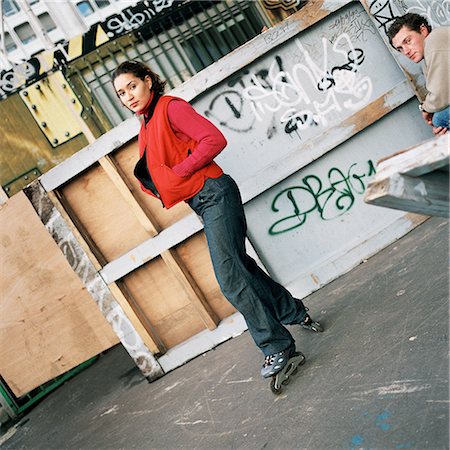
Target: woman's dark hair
{"points": [[411, 21], [141, 70]]}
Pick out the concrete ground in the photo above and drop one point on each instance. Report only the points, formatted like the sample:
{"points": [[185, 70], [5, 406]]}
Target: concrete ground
{"points": [[377, 378]]}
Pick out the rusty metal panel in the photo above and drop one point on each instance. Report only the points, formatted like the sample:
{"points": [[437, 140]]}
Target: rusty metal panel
{"points": [[49, 110]]}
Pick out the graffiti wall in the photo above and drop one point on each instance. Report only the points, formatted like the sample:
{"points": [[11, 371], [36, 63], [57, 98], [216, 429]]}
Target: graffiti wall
{"points": [[296, 92], [310, 225], [282, 110]]}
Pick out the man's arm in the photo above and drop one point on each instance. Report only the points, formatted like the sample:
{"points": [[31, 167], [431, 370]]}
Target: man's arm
{"points": [[437, 71]]}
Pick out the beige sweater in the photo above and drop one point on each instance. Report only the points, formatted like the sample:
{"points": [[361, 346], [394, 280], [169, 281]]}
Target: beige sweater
{"points": [[437, 69]]}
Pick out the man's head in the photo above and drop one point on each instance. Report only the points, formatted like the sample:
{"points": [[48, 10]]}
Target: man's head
{"points": [[407, 35]]}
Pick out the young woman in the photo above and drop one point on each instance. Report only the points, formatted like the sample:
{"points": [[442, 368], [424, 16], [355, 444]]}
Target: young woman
{"points": [[177, 147]]}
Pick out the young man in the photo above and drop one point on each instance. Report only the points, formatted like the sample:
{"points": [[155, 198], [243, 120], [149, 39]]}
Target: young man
{"points": [[411, 35]]}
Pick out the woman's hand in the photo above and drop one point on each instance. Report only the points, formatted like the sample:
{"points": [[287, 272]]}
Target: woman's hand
{"points": [[178, 170]]}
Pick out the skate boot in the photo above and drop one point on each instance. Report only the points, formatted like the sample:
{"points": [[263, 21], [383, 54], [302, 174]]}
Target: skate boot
{"points": [[280, 366], [310, 324]]}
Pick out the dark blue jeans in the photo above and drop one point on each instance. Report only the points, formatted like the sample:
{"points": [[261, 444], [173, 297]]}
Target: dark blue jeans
{"points": [[442, 118], [266, 305]]}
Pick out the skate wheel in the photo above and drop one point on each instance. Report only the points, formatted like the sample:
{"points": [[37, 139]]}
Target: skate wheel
{"points": [[317, 327], [275, 390], [285, 382]]}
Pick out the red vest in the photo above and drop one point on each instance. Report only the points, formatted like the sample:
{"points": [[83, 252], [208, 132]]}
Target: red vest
{"points": [[163, 151]]}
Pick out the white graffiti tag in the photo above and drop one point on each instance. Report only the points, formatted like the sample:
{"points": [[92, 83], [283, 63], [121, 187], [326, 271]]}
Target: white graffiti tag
{"points": [[289, 92], [437, 11], [136, 17]]}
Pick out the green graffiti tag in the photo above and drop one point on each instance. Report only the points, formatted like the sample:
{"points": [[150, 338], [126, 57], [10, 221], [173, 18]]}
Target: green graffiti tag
{"points": [[313, 195]]}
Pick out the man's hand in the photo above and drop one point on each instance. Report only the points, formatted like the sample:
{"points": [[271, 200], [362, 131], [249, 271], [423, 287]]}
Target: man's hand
{"points": [[440, 131], [428, 117]]}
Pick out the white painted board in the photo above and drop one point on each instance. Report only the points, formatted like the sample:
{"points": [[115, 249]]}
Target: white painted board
{"points": [[315, 224]]}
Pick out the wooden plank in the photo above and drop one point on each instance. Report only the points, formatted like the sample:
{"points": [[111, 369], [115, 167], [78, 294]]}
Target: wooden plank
{"points": [[417, 160], [48, 321], [410, 180], [151, 248], [148, 338], [80, 233], [196, 296], [90, 202], [143, 329], [75, 229], [194, 254], [164, 302], [111, 170], [89, 197], [427, 194]]}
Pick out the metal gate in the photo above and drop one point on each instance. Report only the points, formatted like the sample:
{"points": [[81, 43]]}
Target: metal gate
{"points": [[190, 37]]}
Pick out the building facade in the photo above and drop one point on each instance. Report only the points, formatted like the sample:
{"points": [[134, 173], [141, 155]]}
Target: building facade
{"points": [[31, 26]]}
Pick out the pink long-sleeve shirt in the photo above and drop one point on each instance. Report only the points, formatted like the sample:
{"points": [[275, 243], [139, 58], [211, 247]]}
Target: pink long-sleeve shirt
{"points": [[187, 124]]}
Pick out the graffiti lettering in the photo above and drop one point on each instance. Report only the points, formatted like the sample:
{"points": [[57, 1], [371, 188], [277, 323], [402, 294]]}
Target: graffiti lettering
{"points": [[330, 201], [271, 36], [276, 90], [354, 23], [354, 58], [11, 80], [228, 110], [382, 12], [288, 91], [135, 17], [437, 11]]}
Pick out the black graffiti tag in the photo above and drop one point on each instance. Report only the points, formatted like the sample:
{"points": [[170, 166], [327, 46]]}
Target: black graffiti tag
{"points": [[355, 58]]}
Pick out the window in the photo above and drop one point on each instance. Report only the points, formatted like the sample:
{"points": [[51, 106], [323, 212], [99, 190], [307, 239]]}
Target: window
{"points": [[47, 22], [102, 3], [85, 8], [10, 45], [10, 7], [25, 33], [206, 47]]}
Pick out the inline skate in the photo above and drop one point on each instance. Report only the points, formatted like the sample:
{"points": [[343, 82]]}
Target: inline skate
{"points": [[311, 324], [280, 366]]}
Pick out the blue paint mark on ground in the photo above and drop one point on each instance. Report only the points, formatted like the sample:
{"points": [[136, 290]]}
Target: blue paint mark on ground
{"points": [[405, 445], [381, 421], [357, 439]]}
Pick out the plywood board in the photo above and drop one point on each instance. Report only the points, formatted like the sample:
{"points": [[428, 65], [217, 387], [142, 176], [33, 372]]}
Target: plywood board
{"points": [[105, 215], [126, 158], [194, 254], [163, 302], [48, 322]]}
